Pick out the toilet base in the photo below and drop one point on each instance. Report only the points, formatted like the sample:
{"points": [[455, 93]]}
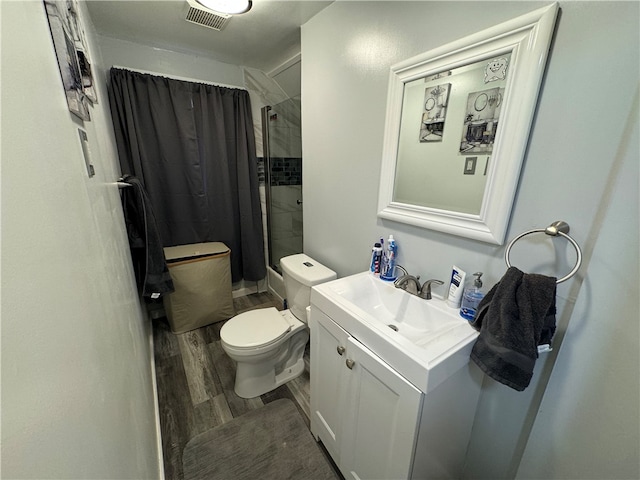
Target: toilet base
{"points": [[254, 386], [255, 379]]}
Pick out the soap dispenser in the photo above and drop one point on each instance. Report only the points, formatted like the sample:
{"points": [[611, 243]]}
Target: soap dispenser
{"points": [[471, 298]]}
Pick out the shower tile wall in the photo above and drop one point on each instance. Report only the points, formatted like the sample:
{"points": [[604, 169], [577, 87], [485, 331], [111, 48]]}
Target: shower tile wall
{"points": [[286, 220], [285, 134], [285, 144], [286, 207]]}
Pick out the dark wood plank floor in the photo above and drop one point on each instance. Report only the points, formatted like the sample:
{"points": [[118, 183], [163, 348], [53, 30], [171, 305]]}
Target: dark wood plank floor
{"points": [[195, 384]]}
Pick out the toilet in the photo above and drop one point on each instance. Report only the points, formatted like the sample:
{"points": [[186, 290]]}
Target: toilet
{"points": [[268, 345]]}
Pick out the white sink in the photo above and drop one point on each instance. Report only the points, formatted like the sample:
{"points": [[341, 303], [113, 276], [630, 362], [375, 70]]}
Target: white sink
{"points": [[424, 340]]}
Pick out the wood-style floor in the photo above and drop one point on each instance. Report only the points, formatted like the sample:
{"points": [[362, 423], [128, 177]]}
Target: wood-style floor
{"points": [[195, 384]]}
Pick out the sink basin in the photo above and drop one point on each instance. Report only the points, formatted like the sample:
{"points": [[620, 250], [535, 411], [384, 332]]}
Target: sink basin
{"points": [[419, 320], [424, 340]]}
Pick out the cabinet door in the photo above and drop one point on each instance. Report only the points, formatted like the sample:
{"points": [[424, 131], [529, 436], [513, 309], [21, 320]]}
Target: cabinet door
{"points": [[328, 350], [380, 419]]}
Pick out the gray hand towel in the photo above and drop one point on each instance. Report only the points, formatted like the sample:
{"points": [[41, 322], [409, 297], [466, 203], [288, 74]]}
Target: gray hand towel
{"points": [[149, 265], [515, 317]]}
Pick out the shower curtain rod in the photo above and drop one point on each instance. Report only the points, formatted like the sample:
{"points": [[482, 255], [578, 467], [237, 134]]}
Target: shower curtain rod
{"points": [[175, 77]]}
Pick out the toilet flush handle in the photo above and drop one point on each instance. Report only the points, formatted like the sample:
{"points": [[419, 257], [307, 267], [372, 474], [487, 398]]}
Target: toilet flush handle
{"points": [[340, 350]]}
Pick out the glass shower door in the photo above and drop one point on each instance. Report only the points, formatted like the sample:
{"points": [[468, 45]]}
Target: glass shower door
{"points": [[282, 143]]}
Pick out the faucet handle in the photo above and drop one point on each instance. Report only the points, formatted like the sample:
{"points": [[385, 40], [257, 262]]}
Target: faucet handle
{"points": [[425, 290]]}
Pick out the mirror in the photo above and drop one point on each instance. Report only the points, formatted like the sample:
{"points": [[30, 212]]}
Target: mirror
{"points": [[457, 126]]}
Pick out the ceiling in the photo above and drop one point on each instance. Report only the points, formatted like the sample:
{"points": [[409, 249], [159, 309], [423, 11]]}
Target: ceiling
{"points": [[264, 38]]}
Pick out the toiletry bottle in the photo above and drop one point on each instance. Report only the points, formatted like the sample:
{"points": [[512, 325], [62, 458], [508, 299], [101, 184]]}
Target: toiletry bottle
{"points": [[388, 271], [471, 298], [458, 277], [376, 259]]}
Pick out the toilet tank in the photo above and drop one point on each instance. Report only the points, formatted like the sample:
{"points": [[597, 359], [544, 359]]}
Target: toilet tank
{"points": [[300, 273]]}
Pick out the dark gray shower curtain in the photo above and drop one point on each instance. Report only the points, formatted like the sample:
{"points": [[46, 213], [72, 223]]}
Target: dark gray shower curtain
{"points": [[192, 146]]}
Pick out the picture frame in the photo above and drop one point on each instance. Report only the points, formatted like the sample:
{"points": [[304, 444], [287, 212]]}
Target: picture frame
{"points": [[70, 46], [481, 121], [434, 113]]}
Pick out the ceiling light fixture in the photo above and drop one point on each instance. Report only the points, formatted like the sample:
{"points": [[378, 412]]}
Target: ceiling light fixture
{"points": [[231, 7]]}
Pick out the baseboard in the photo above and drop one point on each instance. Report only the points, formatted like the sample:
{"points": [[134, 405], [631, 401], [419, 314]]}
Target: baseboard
{"points": [[156, 403]]}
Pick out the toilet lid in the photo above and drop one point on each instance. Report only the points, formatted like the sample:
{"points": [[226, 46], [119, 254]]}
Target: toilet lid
{"points": [[255, 328]]}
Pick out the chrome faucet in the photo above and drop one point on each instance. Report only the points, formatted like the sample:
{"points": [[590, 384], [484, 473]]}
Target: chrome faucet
{"points": [[425, 290]]}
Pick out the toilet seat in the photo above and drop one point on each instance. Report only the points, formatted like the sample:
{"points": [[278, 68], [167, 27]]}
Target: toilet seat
{"points": [[255, 328]]}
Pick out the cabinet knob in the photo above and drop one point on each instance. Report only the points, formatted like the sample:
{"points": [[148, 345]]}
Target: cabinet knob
{"points": [[340, 350], [350, 363]]}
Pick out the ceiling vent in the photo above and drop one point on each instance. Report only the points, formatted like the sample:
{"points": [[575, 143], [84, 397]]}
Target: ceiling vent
{"points": [[207, 18]]}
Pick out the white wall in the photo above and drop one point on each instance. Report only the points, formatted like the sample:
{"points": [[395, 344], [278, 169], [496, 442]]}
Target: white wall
{"points": [[588, 425], [77, 392], [582, 129], [122, 53]]}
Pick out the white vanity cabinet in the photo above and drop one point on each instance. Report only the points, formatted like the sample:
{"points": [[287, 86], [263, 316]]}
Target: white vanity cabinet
{"points": [[376, 424], [365, 413]]}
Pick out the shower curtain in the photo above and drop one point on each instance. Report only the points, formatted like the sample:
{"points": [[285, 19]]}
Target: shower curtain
{"points": [[192, 146]]}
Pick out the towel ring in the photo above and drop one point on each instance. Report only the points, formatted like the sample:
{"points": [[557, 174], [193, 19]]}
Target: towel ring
{"points": [[556, 228]]}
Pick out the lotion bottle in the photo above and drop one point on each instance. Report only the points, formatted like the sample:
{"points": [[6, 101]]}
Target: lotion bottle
{"points": [[471, 298], [458, 277]]}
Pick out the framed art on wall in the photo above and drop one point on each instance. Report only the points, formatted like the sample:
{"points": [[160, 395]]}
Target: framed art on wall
{"points": [[71, 52]]}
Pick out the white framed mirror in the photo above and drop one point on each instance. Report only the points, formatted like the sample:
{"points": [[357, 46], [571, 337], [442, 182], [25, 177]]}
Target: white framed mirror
{"points": [[457, 126]]}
